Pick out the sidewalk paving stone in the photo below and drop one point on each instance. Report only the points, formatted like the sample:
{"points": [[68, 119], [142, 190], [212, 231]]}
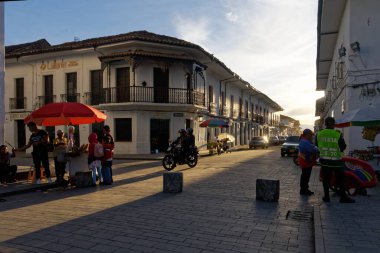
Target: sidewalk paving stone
{"points": [[216, 212]]}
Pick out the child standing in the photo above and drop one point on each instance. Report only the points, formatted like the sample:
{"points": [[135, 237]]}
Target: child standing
{"points": [[95, 156]]}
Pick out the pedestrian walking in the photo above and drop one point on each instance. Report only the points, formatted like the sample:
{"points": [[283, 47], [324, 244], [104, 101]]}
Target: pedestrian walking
{"points": [[331, 144], [39, 139], [307, 158], [60, 147], [108, 145], [95, 156]]}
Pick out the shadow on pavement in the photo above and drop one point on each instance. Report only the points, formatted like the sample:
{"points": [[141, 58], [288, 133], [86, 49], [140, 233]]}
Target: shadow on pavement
{"points": [[216, 212], [70, 192]]}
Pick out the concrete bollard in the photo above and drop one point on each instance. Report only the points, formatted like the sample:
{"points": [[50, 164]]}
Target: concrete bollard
{"points": [[172, 182], [83, 179], [267, 190]]}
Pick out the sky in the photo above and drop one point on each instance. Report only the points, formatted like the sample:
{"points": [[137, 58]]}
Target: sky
{"points": [[269, 43]]}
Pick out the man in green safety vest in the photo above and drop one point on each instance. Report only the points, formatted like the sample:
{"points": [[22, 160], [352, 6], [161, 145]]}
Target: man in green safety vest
{"points": [[331, 145]]}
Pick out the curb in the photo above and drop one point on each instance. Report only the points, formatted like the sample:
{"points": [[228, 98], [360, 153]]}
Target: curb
{"points": [[319, 243], [161, 157]]}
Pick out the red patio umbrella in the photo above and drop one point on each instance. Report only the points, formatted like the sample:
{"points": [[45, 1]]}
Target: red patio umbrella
{"points": [[66, 113], [214, 123]]}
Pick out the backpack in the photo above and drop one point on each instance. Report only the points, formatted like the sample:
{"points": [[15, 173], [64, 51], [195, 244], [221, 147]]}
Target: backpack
{"points": [[98, 150]]}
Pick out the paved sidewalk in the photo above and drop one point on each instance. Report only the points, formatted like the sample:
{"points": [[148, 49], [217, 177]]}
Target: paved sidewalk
{"points": [[217, 212], [348, 227], [24, 161]]}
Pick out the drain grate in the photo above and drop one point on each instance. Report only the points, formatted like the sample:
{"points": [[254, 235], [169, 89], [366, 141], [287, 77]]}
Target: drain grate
{"points": [[301, 216]]}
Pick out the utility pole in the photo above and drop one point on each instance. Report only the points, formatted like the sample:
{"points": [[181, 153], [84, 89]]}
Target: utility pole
{"points": [[2, 69]]}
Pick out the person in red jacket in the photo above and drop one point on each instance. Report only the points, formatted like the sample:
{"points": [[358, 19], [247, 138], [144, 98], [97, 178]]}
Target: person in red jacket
{"points": [[95, 157], [108, 145], [307, 158]]}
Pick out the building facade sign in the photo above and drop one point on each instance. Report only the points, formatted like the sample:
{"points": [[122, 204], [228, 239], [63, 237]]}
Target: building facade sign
{"points": [[178, 114], [18, 116], [58, 65]]}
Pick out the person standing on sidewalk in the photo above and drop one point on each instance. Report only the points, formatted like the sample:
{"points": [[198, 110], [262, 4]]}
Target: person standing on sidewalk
{"points": [[39, 140], [7, 171], [95, 156], [307, 158], [331, 145], [60, 147], [108, 145]]}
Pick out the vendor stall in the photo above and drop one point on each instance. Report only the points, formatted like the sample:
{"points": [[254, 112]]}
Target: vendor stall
{"points": [[369, 119], [69, 114]]}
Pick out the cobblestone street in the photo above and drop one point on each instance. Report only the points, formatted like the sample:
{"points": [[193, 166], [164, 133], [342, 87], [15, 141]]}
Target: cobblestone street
{"points": [[217, 212]]}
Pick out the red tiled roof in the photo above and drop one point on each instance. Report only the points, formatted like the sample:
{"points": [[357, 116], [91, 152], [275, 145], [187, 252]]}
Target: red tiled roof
{"points": [[100, 41], [26, 47]]}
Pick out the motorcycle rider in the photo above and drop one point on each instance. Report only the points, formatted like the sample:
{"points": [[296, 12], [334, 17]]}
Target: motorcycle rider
{"points": [[331, 145], [189, 142], [190, 138], [181, 141]]}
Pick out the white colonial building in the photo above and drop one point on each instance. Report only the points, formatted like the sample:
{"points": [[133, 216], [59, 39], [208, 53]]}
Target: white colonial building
{"points": [[149, 85], [348, 61]]}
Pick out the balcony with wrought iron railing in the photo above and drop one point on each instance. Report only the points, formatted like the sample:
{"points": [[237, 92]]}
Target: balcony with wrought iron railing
{"points": [[44, 100], [94, 98], [223, 111], [18, 103], [258, 119], [70, 97], [212, 108], [139, 94], [244, 114], [235, 114]]}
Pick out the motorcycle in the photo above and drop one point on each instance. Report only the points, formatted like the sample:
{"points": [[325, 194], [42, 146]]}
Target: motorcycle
{"points": [[175, 155]]}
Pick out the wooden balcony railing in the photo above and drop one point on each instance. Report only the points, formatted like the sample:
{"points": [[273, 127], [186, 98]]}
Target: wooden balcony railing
{"points": [[17, 103]]}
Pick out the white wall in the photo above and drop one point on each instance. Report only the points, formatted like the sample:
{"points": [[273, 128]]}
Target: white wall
{"points": [[30, 68], [360, 23]]}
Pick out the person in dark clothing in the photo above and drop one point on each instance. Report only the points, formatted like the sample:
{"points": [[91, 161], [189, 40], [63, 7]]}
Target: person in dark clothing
{"points": [[108, 145], [190, 137], [7, 171], [331, 144], [188, 142], [39, 140], [181, 141], [181, 138]]}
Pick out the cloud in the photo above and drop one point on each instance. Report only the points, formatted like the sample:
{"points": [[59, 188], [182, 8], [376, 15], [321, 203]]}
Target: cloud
{"points": [[270, 43], [193, 29], [230, 16]]}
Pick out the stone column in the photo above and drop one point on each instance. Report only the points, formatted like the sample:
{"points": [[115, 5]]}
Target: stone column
{"points": [[267, 190], [172, 182]]}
